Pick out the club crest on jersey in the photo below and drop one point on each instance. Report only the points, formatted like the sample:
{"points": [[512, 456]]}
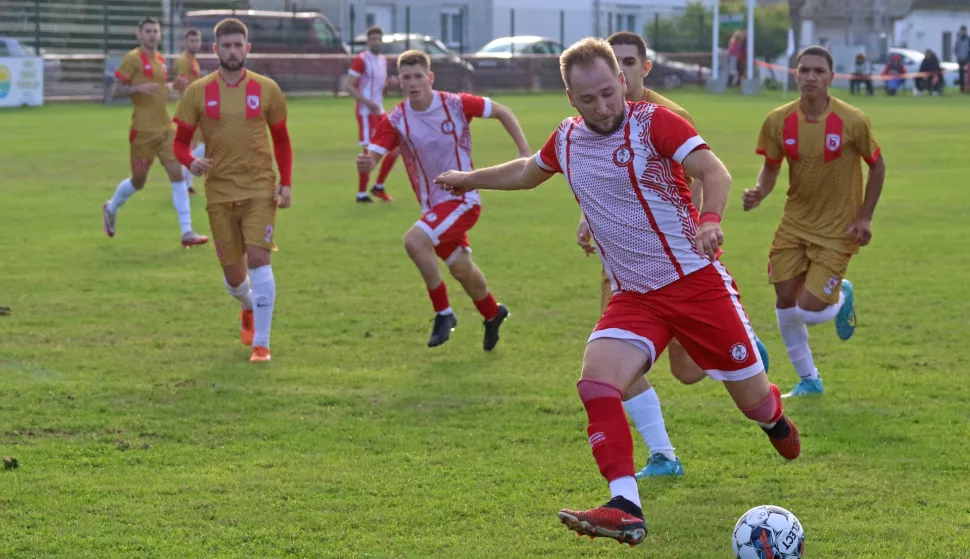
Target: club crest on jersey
{"points": [[622, 156], [832, 142], [832, 285], [739, 352], [448, 127], [252, 101], [269, 234]]}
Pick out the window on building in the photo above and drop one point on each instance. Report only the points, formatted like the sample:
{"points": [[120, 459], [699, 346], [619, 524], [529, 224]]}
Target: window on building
{"points": [[453, 27]]}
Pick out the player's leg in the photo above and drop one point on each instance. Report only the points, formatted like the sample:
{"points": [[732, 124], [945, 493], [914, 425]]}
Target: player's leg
{"points": [[386, 164], [226, 226], [141, 157], [258, 228], [180, 192], [623, 346], [704, 312], [827, 294], [421, 250], [364, 134], [471, 278], [642, 405], [787, 266]]}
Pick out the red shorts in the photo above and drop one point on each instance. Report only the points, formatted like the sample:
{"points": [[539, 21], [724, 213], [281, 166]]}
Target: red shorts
{"points": [[367, 127], [448, 224], [703, 310]]}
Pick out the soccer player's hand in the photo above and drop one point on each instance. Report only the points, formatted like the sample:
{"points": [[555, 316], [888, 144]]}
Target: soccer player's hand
{"points": [[751, 198], [861, 231], [709, 239], [455, 182], [584, 238], [283, 196], [200, 166], [180, 83], [365, 162], [147, 88], [373, 107]]}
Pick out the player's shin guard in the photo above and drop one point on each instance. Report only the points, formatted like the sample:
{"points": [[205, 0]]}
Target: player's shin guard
{"points": [[386, 166], [180, 199], [122, 193], [487, 306], [795, 335], [362, 180], [264, 297], [768, 411], [439, 299], [242, 293], [608, 430], [782, 433]]}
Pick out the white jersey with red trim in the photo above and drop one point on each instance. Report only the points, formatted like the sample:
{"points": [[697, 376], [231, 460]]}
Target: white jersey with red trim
{"points": [[433, 141], [631, 188], [371, 72]]}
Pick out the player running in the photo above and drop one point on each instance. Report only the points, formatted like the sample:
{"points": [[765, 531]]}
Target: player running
{"points": [[826, 218], [187, 70], [432, 129], [625, 163], [233, 107], [142, 76], [367, 81]]}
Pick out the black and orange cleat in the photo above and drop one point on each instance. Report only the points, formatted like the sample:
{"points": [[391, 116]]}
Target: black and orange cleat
{"points": [[618, 519], [381, 193], [784, 437]]}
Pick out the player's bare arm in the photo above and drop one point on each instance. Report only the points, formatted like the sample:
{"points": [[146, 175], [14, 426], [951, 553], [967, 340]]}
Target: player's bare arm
{"points": [[505, 115], [704, 165], [283, 151], [751, 198], [367, 161], [353, 89], [584, 237], [862, 228], [121, 90], [519, 174]]}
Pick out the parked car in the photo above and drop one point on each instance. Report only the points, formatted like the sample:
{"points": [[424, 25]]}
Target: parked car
{"points": [[452, 73], [520, 62], [11, 46], [670, 74], [912, 60], [524, 44], [276, 33]]}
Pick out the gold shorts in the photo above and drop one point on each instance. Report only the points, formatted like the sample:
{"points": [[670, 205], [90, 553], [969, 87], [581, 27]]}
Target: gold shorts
{"points": [[824, 267], [146, 146], [237, 224]]}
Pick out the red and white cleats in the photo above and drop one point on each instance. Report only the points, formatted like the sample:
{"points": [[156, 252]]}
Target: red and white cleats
{"points": [[108, 220], [260, 354], [192, 239], [784, 437], [618, 519], [247, 328]]}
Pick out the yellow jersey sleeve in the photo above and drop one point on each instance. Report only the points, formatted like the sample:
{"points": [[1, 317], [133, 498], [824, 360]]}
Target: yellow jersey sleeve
{"points": [[188, 107]]}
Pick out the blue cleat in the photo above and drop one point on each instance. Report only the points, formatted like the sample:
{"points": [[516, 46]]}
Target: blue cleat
{"points": [[659, 465], [846, 319], [805, 387], [763, 351]]}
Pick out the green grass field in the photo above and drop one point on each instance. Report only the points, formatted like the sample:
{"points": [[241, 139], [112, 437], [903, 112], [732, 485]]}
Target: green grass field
{"points": [[141, 430]]}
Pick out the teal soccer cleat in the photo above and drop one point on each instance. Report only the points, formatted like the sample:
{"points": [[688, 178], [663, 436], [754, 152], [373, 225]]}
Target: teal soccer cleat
{"points": [[763, 351], [806, 387], [659, 465], [846, 319]]}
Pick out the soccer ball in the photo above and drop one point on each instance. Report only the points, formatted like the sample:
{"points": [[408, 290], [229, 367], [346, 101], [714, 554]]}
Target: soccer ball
{"points": [[768, 532]]}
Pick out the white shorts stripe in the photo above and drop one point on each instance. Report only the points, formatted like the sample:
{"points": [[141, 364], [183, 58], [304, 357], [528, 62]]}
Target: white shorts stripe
{"points": [[638, 341], [736, 299], [446, 223]]}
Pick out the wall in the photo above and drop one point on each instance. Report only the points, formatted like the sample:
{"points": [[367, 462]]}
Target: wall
{"points": [[924, 29]]}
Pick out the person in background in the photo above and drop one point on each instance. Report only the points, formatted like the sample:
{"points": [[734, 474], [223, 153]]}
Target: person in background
{"points": [[894, 71], [861, 75], [962, 51], [734, 54], [932, 80]]}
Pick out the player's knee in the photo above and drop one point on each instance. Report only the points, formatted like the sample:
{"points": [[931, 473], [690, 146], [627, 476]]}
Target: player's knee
{"points": [[417, 243], [138, 181], [257, 257]]}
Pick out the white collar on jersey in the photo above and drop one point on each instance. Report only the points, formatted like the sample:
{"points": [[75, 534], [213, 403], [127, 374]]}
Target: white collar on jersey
{"points": [[435, 101]]}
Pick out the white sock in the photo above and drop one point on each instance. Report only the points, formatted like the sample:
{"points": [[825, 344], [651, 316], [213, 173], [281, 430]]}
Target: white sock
{"points": [[264, 296], [122, 193], [446, 312], [242, 292], [199, 151], [795, 335], [626, 487], [180, 199], [644, 410], [379, 185], [813, 318]]}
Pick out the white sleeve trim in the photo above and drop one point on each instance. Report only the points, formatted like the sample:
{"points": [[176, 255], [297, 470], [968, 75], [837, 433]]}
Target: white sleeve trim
{"points": [[487, 111], [542, 164], [380, 150], [689, 146], [354, 73]]}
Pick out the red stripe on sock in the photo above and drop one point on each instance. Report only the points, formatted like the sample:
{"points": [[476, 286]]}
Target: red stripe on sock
{"points": [[769, 410], [386, 168], [608, 430], [487, 306], [439, 297]]}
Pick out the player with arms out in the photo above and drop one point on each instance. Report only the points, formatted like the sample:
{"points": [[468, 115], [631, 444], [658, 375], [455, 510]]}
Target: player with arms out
{"points": [[626, 163], [187, 70], [233, 107], [366, 83], [827, 217], [141, 76], [432, 129], [640, 400]]}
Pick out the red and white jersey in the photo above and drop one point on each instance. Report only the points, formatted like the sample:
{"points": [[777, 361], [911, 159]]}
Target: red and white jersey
{"points": [[371, 72], [433, 141], [631, 188]]}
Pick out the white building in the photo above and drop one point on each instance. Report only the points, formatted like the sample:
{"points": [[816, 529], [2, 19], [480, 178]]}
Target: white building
{"points": [[466, 25], [933, 24]]}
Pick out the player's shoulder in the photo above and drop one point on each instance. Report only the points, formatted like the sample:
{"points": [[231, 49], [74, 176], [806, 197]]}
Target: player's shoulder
{"points": [[848, 113], [133, 54], [652, 96], [779, 114], [264, 81]]}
